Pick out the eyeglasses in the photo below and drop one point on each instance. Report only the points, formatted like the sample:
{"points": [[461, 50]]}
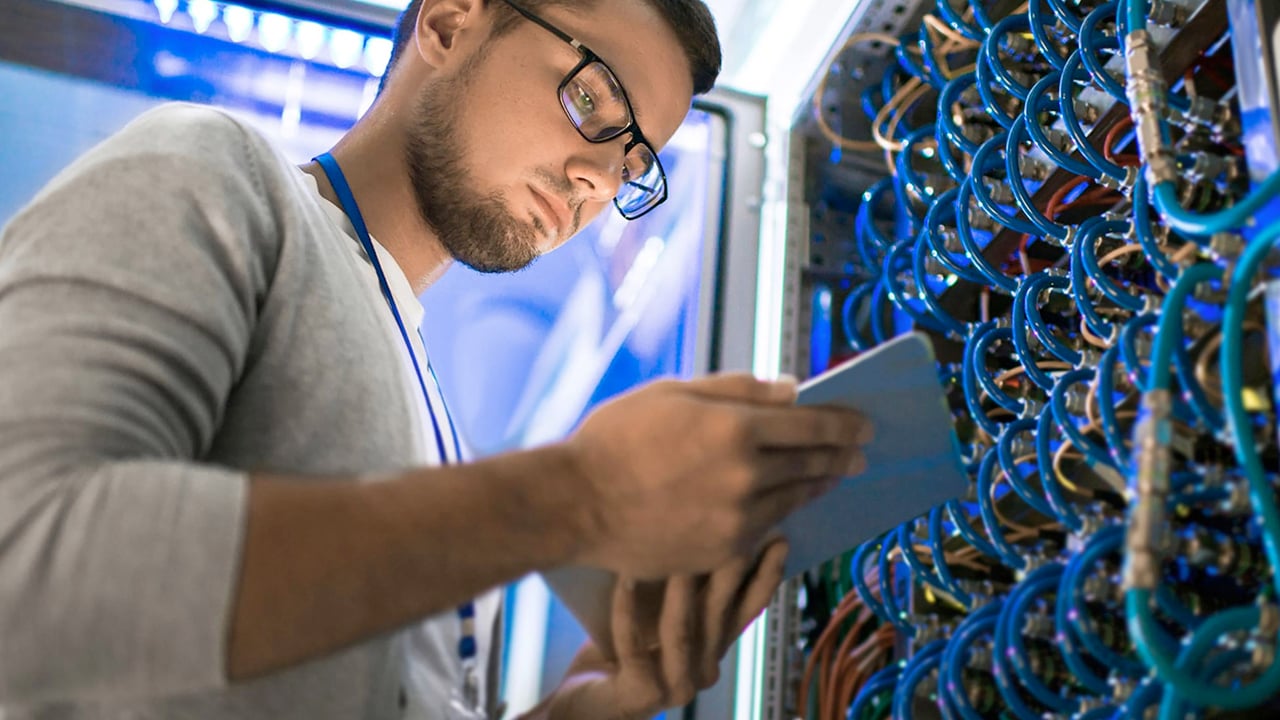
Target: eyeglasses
{"points": [[596, 104]]}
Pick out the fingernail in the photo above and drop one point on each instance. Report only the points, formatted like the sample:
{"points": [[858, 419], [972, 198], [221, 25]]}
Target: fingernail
{"points": [[785, 386]]}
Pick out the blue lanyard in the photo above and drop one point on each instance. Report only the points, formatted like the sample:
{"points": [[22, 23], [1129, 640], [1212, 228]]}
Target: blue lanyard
{"points": [[466, 611]]}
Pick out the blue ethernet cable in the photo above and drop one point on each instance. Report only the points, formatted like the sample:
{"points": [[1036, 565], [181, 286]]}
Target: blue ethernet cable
{"points": [[1094, 453], [899, 296], [1044, 282], [1067, 111], [926, 660], [938, 552], [1146, 237], [849, 316], [990, 49], [1065, 12], [870, 201], [1175, 707], [1073, 611], [879, 300], [1096, 323], [1088, 242], [1133, 364], [943, 212], [964, 229], [983, 162], [1092, 42], [1009, 464], [1021, 342], [878, 685], [953, 327], [984, 79], [909, 64], [1144, 697], [896, 615], [1021, 198], [1138, 609], [958, 23], [954, 658], [1107, 417], [858, 574], [947, 126], [1038, 102], [1011, 644], [1070, 617], [1062, 509], [970, 372], [909, 178], [933, 73], [960, 519], [1009, 555], [1190, 222], [947, 156], [977, 348], [1040, 23], [919, 572]]}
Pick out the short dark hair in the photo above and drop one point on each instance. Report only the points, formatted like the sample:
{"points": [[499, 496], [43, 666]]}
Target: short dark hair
{"points": [[690, 20]]}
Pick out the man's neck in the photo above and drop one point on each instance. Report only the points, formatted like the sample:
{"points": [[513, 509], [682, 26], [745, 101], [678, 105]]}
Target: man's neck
{"points": [[373, 163]]}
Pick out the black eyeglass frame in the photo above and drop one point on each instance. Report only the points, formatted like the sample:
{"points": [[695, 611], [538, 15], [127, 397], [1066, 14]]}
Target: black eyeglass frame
{"points": [[632, 127]]}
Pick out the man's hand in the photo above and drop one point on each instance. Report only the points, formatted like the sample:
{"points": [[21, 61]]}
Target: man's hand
{"points": [[679, 477], [700, 619]]}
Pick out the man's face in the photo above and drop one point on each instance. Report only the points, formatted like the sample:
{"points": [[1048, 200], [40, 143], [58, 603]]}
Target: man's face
{"points": [[499, 171]]}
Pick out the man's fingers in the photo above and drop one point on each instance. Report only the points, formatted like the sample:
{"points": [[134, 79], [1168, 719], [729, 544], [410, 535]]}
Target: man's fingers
{"points": [[744, 387], [780, 468], [628, 637], [677, 634], [807, 427], [760, 587], [718, 611]]}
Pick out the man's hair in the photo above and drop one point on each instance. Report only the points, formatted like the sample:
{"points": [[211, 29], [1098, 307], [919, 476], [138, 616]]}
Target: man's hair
{"points": [[690, 20]]}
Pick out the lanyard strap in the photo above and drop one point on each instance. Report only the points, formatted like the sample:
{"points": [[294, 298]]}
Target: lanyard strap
{"points": [[466, 611]]}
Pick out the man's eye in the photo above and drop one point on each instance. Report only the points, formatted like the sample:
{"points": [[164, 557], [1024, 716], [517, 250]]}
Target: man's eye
{"points": [[582, 101]]}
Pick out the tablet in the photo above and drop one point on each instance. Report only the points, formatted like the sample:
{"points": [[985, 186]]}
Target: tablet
{"points": [[913, 463]]}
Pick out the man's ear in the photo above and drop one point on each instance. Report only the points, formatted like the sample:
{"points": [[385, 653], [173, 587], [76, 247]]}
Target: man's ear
{"points": [[440, 25]]}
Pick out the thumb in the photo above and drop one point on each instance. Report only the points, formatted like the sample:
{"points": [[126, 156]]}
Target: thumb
{"points": [[745, 387]]}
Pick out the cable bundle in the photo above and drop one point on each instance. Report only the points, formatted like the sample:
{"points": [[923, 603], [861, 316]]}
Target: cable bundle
{"points": [[1066, 213]]}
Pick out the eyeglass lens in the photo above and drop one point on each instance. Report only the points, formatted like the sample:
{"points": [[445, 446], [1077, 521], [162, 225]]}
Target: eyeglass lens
{"points": [[595, 102]]}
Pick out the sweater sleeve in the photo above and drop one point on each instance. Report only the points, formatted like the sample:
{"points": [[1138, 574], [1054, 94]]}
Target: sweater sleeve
{"points": [[129, 289]]}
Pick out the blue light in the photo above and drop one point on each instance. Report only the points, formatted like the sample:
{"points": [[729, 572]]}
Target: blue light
{"points": [[311, 38], [377, 53], [239, 21], [274, 31], [345, 47], [203, 13], [166, 8]]}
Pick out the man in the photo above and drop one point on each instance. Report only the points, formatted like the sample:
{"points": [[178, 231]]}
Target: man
{"points": [[227, 476]]}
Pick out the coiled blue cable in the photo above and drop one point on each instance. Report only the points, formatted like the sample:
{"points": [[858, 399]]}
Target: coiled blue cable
{"points": [[964, 229], [1067, 111], [1022, 198], [1041, 283], [1073, 610], [1040, 23], [984, 162], [849, 316], [1094, 454], [936, 539], [984, 79], [971, 370], [933, 307], [1089, 258], [947, 126], [1009, 555], [960, 519], [1053, 490], [1010, 641], [958, 23], [877, 686], [1107, 414], [1097, 324], [942, 212], [979, 343], [1021, 336], [897, 615], [1038, 102], [1092, 42], [1008, 463], [857, 571], [893, 262], [980, 623], [990, 49], [925, 661]]}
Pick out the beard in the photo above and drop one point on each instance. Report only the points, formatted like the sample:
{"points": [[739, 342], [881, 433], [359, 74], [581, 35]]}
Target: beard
{"points": [[476, 229]]}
